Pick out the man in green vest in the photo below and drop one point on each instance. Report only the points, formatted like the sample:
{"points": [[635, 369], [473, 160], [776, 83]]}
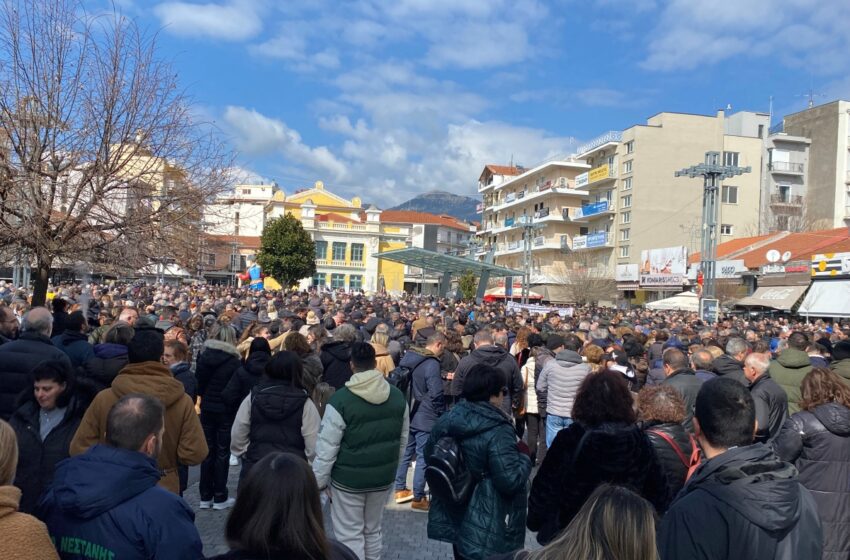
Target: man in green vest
{"points": [[361, 439]]}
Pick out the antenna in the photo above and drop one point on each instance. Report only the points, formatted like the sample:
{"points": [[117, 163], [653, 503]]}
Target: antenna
{"points": [[810, 95]]}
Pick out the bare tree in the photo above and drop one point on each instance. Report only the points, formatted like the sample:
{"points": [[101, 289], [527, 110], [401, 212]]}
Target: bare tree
{"points": [[101, 159], [585, 279]]}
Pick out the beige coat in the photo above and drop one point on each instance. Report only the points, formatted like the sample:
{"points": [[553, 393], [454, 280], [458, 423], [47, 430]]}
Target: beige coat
{"points": [[23, 536], [184, 441]]}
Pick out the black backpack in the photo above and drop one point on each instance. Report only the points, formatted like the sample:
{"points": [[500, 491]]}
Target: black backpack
{"points": [[446, 472], [400, 378]]}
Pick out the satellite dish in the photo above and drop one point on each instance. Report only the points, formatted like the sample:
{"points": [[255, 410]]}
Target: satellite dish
{"points": [[773, 256], [786, 256]]}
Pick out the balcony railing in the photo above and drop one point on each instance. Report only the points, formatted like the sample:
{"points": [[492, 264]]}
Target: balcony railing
{"points": [[786, 167], [610, 136], [790, 200]]}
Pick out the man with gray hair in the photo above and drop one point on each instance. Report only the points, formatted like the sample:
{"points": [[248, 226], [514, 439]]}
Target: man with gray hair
{"points": [[770, 399], [19, 357], [731, 364]]}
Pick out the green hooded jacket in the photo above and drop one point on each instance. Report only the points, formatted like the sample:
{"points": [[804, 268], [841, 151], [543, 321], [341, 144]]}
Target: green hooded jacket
{"points": [[788, 370], [493, 521]]}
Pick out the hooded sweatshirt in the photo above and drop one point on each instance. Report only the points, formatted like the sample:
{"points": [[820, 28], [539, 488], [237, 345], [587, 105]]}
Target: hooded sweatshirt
{"points": [[183, 442], [744, 503], [788, 370], [24, 536], [362, 435], [106, 504], [560, 379]]}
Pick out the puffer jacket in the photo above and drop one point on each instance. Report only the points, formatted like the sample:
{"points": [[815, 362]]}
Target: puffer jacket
{"points": [[216, 365], [674, 468], [313, 371], [245, 378], [744, 503], [76, 345], [560, 379], [276, 413], [493, 521], [109, 359], [17, 359], [336, 356], [818, 443], [498, 358], [727, 366], [581, 459], [788, 370], [771, 408]]}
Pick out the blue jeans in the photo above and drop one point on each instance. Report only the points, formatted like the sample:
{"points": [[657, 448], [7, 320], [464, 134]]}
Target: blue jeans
{"points": [[555, 424], [415, 449]]}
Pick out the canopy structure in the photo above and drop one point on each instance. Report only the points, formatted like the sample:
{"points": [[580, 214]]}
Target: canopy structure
{"points": [[497, 294], [448, 265], [827, 298], [685, 301], [782, 298]]}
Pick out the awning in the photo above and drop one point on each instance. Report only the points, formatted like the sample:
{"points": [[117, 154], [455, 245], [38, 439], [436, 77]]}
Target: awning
{"points": [[685, 301], [827, 298], [441, 262], [775, 297]]}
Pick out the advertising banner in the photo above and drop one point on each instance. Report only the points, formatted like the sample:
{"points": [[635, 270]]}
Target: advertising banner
{"points": [[725, 270], [598, 173], [598, 239], [831, 265], [581, 180], [627, 273], [663, 267], [579, 242], [592, 209]]}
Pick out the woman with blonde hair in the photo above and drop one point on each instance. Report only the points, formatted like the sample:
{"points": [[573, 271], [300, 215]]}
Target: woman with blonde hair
{"points": [[24, 536], [383, 359], [613, 524]]}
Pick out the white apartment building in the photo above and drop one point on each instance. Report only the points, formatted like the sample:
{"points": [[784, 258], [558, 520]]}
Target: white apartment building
{"points": [[241, 213]]}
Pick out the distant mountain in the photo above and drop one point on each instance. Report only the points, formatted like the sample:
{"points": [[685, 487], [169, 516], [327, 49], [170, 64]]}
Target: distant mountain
{"points": [[442, 202]]}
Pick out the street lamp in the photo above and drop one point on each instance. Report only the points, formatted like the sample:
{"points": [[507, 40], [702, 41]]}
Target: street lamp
{"points": [[528, 228], [712, 173]]}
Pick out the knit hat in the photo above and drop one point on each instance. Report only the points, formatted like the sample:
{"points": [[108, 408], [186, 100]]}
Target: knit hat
{"points": [[841, 350]]}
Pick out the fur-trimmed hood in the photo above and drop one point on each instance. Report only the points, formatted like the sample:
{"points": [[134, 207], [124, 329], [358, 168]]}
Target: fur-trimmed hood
{"points": [[222, 346]]}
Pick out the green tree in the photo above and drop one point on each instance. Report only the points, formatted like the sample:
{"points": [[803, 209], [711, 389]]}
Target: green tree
{"points": [[286, 251], [468, 285]]}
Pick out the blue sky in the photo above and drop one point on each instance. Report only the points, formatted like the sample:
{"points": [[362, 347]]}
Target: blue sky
{"points": [[388, 99]]}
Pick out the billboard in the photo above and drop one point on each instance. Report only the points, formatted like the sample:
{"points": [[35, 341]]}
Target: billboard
{"points": [[663, 267], [726, 269], [588, 210], [598, 239], [831, 265], [579, 242], [581, 180], [627, 273], [598, 173]]}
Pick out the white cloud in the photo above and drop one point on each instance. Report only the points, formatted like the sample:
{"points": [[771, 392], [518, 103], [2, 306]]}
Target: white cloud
{"points": [[256, 134], [292, 46], [236, 20]]}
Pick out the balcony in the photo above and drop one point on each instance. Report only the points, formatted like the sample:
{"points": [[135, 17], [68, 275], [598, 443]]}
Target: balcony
{"points": [[598, 240], [786, 168], [534, 192], [601, 174], [786, 204], [341, 226], [589, 212], [601, 140]]}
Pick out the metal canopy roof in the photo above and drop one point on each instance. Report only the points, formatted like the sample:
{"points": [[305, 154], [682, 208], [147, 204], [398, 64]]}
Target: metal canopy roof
{"points": [[440, 262]]}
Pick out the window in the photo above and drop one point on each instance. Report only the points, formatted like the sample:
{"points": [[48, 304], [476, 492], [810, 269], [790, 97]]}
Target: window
{"points": [[784, 193], [627, 201], [624, 251], [321, 250], [610, 161], [243, 262], [625, 234], [627, 167], [319, 279], [246, 191], [355, 282], [630, 147], [338, 251], [356, 252], [583, 231], [626, 218], [725, 229], [627, 184], [761, 131], [730, 158], [729, 195], [337, 281]]}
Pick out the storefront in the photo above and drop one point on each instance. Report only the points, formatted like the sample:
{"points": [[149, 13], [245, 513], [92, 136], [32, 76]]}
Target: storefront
{"points": [[829, 295]]}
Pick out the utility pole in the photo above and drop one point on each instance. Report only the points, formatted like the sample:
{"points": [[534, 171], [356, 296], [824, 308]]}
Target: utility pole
{"points": [[713, 173]]}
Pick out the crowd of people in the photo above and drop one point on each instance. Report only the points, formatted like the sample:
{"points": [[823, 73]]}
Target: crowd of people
{"points": [[609, 433]]}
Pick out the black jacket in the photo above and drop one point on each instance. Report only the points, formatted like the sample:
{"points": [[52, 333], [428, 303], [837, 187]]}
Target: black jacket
{"points": [[744, 503], [674, 468], [338, 552], [727, 366], [76, 345], [109, 359], [216, 365], [495, 357], [245, 378], [183, 373], [818, 443], [276, 412], [17, 359], [771, 407], [579, 461], [37, 459], [541, 356], [687, 384], [336, 356]]}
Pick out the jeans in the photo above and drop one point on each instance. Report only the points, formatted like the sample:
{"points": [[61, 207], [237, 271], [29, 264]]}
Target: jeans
{"points": [[536, 437], [555, 424], [415, 450], [214, 469]]}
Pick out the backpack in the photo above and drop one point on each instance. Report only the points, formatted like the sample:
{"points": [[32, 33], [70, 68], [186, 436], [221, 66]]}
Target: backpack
{"points": [[691, 463], [446, 472], [400, 378]]}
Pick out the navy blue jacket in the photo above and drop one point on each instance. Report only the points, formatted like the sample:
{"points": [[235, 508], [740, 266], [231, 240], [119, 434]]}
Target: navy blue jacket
{"points": [[76, 345], [427, 388], [106, 503], [17, 359]]}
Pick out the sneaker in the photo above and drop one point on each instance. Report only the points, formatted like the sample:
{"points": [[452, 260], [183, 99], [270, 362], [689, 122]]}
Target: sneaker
{"points": [[403, 496], [422, 505], [226, 504], [205, 504], [234, 461]]}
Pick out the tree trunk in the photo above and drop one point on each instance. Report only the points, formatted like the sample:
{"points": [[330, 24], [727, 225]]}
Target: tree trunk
{"points": [[40, 281]]}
